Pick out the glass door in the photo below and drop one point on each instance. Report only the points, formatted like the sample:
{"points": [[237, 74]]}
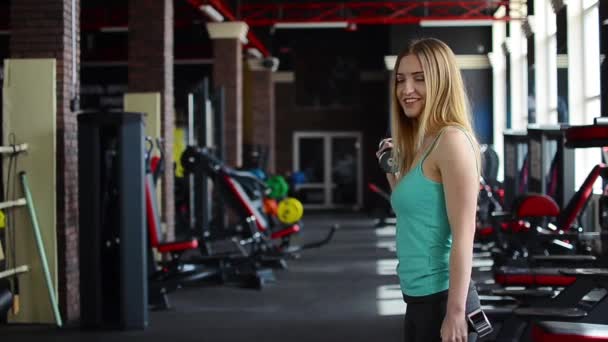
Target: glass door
{"points": [[332, 168], [310, 160], [345, 172]]}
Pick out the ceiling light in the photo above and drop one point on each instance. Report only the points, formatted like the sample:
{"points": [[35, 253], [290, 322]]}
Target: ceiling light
{"points": [[212, 13], [456, 23], [501, 12], [307, 25]]}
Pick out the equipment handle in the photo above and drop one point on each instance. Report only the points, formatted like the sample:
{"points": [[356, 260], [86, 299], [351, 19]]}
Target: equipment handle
{"points": [[40, 245]]}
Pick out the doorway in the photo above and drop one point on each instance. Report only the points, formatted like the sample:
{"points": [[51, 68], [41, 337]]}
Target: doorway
{"points": [[331, 163]]}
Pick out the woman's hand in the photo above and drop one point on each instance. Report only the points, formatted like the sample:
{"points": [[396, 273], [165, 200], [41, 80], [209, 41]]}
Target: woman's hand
{"points": [[385, 144], [454, 328]]}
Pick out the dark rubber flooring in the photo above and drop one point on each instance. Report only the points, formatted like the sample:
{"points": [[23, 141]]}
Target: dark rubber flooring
{"points": [[345, 291]]}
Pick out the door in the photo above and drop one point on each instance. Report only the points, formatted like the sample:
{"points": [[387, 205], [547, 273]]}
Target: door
{"points": [[331, 163]]}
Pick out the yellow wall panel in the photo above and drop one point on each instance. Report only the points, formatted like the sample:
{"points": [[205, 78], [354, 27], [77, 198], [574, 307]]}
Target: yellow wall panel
{"points": [[148, 103], [29, 105]]}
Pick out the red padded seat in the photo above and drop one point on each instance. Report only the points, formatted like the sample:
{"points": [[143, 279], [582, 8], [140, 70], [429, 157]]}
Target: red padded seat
{"points": [[553, 331], [177, 246], [526, 276], [536, 205]]}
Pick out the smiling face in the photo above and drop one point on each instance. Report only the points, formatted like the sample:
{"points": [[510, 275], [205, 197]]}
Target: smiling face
{"points": [[410, 88]]}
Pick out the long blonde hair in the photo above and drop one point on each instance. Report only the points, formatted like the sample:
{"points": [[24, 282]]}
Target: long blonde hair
{"points": [[446, 101]]}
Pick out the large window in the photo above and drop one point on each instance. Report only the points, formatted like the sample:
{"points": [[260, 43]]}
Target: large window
{"points": [[591, 33], [584, 75], [519, 76], [545, 50]]}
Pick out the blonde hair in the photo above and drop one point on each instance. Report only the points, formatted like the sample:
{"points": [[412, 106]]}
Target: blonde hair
{"points": [[446, 101]]}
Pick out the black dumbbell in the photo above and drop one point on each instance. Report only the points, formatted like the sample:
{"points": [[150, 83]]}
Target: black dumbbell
{"points": [[386, 160]]}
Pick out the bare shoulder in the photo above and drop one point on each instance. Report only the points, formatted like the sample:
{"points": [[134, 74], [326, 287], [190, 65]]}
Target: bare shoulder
{"points": [[456, 145], [454, 138]]}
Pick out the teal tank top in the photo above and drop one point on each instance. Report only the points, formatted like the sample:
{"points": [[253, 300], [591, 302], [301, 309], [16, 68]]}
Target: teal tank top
{"points": [[424, 238]]}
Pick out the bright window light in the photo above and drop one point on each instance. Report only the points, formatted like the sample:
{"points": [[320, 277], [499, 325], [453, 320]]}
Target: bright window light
{"points": [[592, 53], [386, 267], [387, 231], [390, 301]]}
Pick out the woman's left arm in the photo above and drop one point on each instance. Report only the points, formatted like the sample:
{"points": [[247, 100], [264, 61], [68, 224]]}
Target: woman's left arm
{"points": [[457, 163]]}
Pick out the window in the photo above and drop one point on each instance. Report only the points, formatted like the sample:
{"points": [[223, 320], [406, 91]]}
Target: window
{"points": [[545, 53], [518, 44], [584, 77]]}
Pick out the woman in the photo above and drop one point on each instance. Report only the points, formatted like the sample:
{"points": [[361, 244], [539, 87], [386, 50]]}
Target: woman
{"points": [[434, 193]]}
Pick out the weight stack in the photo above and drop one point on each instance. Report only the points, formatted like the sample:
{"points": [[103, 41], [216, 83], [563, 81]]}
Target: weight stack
{"points": [[113, 240]]}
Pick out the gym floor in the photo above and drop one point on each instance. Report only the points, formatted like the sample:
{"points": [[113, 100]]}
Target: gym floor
{"points": [[345, 291]]}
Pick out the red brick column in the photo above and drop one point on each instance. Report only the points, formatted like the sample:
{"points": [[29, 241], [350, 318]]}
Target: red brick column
{"points": [[262, 102], [151, 70], [43, 29], [228, 73]]}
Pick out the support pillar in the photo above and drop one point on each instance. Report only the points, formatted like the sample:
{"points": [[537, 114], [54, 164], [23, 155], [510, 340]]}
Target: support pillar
{"points": [[228, 73], [51, 29], [151, 70], [262, 106]]}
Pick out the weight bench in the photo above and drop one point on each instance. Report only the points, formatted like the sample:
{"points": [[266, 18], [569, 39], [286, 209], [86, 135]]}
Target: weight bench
{"points": [[532, 276], [154, 230], [570, 305], [553, 331], [172, 274]]}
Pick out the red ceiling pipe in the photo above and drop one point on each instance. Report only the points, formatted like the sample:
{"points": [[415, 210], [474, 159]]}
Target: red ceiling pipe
{"points": [[387, 12]]}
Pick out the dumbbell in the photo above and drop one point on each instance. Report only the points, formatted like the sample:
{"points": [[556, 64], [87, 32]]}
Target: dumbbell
{"points": [[386, 160]]}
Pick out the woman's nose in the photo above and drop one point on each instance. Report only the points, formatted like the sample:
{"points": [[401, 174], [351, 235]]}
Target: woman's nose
{"points": [[409, 87]]}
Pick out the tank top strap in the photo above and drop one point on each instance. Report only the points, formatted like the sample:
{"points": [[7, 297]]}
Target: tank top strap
{"points": [[433, 144], [432, 147]]}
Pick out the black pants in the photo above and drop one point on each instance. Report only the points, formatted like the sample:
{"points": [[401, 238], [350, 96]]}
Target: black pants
{"points": [[423, 318]]}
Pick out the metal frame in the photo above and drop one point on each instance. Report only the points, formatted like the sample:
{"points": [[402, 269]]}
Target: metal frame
{"points": [[348, 13], [374, 13], [327, 137]]}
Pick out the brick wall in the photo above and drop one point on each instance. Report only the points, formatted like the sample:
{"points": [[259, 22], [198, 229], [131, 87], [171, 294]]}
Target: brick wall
{"points": [[151, 70], [263, 112], [228, 73], [42, 29]]}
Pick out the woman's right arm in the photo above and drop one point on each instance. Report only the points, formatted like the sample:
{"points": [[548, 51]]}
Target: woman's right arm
{"points": [[392, 180]]}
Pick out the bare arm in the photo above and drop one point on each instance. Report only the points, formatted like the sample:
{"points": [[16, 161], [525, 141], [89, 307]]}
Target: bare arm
{"points": [[392, 180], [457, 163]]}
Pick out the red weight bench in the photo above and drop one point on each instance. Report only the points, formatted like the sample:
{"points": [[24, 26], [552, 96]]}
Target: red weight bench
{"points": [[540, 206], [544, 206], [553, 331], [154, 229], [532, 277]]}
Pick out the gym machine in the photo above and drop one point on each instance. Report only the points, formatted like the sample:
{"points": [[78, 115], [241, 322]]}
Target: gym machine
{"points": [[113, 241], [551, 164], [515, 166]]}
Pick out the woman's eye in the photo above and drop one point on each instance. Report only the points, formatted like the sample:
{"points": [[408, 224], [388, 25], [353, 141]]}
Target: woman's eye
{"points": [[400, 80], [419, 79]]}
